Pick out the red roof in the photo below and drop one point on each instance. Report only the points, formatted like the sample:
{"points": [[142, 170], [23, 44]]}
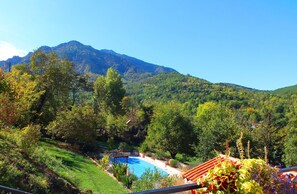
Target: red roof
{"points": [[200, 170]]}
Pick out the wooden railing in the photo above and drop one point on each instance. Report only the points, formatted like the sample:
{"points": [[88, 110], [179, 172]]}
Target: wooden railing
{"points": [[8, 190], [174, 189]]}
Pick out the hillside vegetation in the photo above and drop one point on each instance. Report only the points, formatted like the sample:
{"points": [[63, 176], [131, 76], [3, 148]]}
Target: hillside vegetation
{"points": [[49, 168], [166, 115], [286, 90], [190, 90]]}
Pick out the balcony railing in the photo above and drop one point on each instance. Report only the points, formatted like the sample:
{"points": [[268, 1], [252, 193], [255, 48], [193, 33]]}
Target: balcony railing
{"points": [[175, 189]]}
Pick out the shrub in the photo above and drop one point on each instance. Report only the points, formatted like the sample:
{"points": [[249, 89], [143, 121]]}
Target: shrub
{"points": [[104, 162], [75, 125], [119, 170], [161, 155], [28, 137], [151, 179], [40, 184], [128, 180], [144, 147], [173, 163]]}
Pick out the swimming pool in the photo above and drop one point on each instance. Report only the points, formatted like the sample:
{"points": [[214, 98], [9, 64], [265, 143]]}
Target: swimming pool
{"points": [[138, 166]]}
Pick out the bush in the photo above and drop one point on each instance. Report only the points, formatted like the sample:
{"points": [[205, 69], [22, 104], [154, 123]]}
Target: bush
{"points": [[28, 137], [75, 125], [119, 170], [173, 163], [143, 148], [152, 179], [104, 162], [128, 180], [161, 155]]}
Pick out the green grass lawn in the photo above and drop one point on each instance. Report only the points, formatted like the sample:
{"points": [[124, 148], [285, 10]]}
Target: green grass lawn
{"points": [[82, 172]]}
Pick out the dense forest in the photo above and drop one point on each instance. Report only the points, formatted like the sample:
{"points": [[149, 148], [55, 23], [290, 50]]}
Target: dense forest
{"points": [[166, 113]]}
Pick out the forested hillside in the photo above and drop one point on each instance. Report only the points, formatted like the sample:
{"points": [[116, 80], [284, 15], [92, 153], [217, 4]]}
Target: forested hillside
{"points": [[190, 90], [286, 90], [168, 114]]}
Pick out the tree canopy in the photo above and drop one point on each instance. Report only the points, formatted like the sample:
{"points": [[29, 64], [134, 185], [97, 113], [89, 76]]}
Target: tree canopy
{"points": [[170, 130]]}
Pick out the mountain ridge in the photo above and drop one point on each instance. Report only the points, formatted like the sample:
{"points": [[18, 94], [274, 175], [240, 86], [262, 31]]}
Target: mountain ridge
{"points": [[86, 57]]}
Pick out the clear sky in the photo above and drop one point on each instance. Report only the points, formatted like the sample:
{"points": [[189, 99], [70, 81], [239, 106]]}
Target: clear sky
{"points": [[247, 42]]}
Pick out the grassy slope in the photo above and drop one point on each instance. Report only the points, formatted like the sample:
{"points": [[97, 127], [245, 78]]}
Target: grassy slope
{"points": [[82, 172]]}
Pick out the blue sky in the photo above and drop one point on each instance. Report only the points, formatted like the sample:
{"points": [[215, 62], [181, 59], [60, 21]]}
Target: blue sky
{"points": [[251, 43]]}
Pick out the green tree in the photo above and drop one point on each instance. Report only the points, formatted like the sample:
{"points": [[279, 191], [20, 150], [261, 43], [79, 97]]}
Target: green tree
{"points": [[25, 93], [115, 91], [270, 131], [55, 77], [109, 92], [170, 130], [76, 125], [214, 125], [291, 147], [100, 93]]}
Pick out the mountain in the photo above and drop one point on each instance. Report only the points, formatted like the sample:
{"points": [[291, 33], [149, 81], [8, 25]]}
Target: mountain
{"points": [[98, 61], [286, 90]]}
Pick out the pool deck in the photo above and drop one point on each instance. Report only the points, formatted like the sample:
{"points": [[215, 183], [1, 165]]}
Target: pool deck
{"points": [[161, 164]]}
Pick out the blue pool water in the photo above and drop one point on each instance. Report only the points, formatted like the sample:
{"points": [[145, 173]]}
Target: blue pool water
{"points": [[138, 166]]}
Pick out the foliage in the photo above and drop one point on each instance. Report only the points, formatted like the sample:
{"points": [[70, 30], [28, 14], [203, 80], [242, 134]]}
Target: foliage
{"points": [[26, 93], [4, 85], [75, 125], [116, 126], [152, 179], [286, 90], [109, 92], [24, 171], [242, 176], [123, 146], [110, 143], [128, 180], [215, 124], [104, 162], [173, 163], [170, 130], [8, 114], [291, 147], [119, 170], [28, 137]]}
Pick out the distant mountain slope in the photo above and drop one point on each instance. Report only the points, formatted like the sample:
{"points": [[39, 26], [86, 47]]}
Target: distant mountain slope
{"points": [[185, 88], [286, 90], [239, 87], [98, 61]]}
